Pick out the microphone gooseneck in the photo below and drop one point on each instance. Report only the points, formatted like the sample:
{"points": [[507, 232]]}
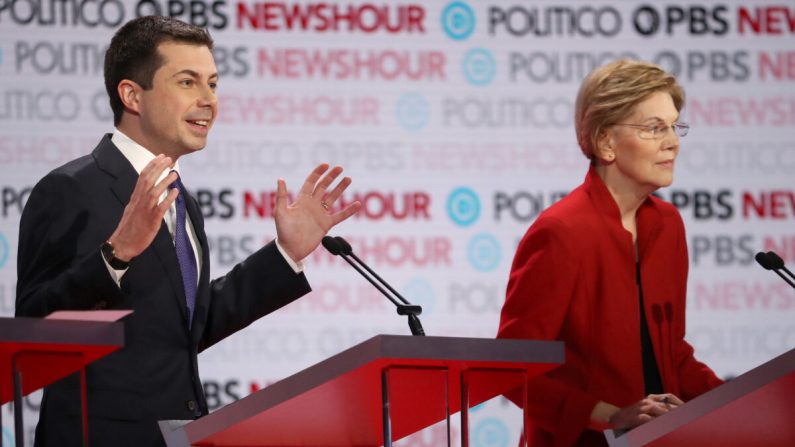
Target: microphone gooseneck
{"points": [[338, 246]]}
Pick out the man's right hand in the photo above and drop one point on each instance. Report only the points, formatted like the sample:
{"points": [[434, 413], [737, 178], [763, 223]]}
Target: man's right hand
{"points": [[144, 213]]}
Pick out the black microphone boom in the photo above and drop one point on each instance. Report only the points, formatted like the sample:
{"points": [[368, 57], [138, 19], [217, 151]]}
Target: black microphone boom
{"points": [[339, 246], [772, 261], [347, 250]]}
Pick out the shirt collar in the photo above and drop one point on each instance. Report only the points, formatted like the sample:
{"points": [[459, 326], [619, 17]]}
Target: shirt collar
{"points": [[649, 215], [136, 154]]}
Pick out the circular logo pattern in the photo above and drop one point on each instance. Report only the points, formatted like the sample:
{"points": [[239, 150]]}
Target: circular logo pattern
{"points": [[458, 20], [412, 111], [479, 66], [491, 432], [463, 206], [419, 291], [3, 250], [484, 252]]}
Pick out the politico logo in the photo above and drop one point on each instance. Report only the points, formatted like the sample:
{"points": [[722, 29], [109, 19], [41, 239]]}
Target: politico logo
{"points": [[13, 199], [554, 21]]}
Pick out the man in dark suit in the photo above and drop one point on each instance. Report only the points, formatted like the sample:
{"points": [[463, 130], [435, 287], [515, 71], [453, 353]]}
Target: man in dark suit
{"points": [[116, 230]]}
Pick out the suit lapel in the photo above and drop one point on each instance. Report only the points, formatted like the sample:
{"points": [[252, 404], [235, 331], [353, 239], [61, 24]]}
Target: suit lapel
{"points": [[112, 161]]}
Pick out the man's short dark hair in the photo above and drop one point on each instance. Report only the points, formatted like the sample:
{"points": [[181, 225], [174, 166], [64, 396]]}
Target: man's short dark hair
{"points": [[133, 54]]}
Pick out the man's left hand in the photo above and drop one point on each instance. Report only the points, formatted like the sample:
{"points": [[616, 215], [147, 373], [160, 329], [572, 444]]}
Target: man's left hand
{"points": [[301, 225]]}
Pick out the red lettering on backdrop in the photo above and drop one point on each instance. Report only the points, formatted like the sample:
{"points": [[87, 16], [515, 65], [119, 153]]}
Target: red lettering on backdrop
{"points": [[303, 111], [779, 66], [773, 20], [253, 386], [731, 112], [378, 205], [331, 297], [393, 252], [260, 205], [734, 295], [322, 17], [784, 246], [777, 205], [297, 63]]}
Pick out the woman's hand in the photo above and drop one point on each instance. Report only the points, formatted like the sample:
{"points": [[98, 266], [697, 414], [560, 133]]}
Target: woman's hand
{"points": [[643, 411]]}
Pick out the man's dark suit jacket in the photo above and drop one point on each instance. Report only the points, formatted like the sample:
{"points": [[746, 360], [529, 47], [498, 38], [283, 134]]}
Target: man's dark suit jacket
{"points": [[69, 214]]}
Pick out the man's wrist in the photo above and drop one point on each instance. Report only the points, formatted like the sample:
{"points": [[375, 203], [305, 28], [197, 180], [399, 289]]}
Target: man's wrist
{"points": [[112, 256]]}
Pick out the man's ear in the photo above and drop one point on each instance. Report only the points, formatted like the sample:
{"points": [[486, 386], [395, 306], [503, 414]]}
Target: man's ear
{"points": [[130, 94]]}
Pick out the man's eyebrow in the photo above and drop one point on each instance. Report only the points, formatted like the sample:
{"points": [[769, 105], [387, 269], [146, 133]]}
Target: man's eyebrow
{"points": [[193, 74]]}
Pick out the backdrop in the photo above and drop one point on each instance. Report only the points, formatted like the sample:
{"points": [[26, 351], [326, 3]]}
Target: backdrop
{"points": [[454, 118]]}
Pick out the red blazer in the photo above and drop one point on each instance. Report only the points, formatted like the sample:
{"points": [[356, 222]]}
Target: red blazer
{"points": [[574, 279]]}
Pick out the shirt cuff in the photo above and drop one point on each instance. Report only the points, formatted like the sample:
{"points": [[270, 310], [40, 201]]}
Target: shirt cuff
{"points": [[297, 267], [115, 274]]}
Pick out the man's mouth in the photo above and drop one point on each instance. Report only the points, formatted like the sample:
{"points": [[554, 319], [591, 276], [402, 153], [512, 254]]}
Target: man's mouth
{"points": [[202, 123]]}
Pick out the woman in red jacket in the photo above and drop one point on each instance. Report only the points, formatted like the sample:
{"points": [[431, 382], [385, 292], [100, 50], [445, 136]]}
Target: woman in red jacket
{"points": [[605, 269]]}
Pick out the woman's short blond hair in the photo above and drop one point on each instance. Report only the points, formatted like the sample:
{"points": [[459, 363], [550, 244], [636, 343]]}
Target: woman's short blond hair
{"points": [[609, 94]]}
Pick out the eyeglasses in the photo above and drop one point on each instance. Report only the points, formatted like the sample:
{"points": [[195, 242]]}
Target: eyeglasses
{"points": [[658, 131]]}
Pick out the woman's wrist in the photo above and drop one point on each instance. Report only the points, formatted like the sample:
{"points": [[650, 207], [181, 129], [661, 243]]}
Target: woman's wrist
{"points": [[601, 415]]}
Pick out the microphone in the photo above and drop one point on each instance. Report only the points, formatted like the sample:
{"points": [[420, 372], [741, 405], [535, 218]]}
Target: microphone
{"points": [[772, 261], [338, 246], [777, 262]]}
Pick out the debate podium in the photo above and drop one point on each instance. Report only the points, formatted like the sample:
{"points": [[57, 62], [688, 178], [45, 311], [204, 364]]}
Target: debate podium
{"points": [[756, 408], [372, 394], [36, 352]]}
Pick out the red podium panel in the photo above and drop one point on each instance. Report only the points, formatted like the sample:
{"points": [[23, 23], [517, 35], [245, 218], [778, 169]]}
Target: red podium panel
{"points": [[48, 350], [756, 408], [338, 402]]}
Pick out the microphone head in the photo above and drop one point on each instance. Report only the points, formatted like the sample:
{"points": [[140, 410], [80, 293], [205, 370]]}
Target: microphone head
{"points": [[764, 260], [775, 260], [332, 245], [345, 247]]}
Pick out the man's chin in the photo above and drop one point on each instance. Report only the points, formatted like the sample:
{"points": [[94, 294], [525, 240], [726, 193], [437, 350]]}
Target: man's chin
{"points": [[195, 145]]}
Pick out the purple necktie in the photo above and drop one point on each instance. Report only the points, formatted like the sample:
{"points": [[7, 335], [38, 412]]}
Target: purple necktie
{"points": [[187, 261]]}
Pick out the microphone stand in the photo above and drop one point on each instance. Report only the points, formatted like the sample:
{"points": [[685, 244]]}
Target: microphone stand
{"points": [[339, 246]]}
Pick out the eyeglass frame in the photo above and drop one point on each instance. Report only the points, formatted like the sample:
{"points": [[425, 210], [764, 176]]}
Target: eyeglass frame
{"points": [[681, 129]]}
